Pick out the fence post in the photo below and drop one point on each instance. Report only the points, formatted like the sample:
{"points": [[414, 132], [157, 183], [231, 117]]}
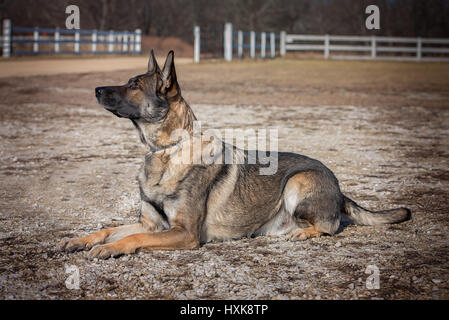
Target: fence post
{"points": [[373, 47], [94, 41], [272, 45], [77, 42], [196, 44], [111, 41], [326, 46], [118, 40], [125, 42], [240, 44], [138, 47], [7, 34], [57, 38], [262, 45], [228, 41], [252, 44], [36, 40], [132, 38], [283, 39], [418, 49]]}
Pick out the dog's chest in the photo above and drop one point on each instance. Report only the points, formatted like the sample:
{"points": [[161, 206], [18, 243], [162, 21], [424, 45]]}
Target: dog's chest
{"points": [[159, 184]]}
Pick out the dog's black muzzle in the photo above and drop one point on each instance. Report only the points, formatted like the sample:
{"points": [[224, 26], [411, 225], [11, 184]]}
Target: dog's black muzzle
{"points": [[99, 91], [108, 96], [111, 98]]}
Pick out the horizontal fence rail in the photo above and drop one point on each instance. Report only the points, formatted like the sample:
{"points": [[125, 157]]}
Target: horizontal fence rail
{"points": [[35, 41], [256, 44], [371, 47]]}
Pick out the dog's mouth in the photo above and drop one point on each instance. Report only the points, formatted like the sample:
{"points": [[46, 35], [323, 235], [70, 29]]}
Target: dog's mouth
{"points": [[122, 111], [106, 102], [109, 108], [113, 110], [108, 105]]}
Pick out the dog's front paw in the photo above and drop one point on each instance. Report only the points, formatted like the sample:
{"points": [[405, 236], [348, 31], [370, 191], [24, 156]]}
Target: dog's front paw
{"points": [[104, 251], [72, 245]]}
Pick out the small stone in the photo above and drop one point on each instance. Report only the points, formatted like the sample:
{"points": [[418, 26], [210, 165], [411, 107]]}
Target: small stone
{"points": [[436, 281], [338, 244]]}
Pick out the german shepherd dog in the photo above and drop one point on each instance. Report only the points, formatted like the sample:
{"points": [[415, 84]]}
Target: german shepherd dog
{"points": [[185, 205]]}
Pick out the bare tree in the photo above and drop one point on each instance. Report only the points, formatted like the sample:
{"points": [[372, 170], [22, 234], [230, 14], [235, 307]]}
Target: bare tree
{"points": [[176, 17]]}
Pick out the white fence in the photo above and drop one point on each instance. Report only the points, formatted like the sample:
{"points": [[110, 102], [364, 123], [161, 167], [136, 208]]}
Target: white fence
{"points": [[371, 47], [332, 47], [31, 41], [255, 43]]}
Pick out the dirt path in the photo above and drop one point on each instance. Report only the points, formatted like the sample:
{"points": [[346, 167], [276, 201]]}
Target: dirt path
{"points": [[21, 67], [68, 168]]}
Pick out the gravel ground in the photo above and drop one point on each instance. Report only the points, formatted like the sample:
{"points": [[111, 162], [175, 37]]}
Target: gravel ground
{"points": [[67, 168]]}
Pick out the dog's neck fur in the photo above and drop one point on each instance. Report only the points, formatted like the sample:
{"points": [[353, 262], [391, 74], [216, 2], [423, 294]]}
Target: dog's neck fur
{"points": [[157, 136]]}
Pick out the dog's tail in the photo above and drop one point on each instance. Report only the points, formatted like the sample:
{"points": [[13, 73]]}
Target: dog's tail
{"points": [[361, 216]]}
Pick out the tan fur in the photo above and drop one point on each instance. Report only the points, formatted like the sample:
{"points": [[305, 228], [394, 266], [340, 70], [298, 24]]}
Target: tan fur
{"points": [[304, 233], [180, 116], [173, 239]]}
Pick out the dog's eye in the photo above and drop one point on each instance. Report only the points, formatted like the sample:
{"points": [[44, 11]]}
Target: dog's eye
{"points": [[134, 86]]}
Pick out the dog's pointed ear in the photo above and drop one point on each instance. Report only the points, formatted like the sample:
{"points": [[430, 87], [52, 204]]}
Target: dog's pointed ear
{"points": [[152, 63], [170, 83]]}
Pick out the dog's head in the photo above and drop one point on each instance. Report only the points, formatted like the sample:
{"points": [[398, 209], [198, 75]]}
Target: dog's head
{"points": [[145, 97]]}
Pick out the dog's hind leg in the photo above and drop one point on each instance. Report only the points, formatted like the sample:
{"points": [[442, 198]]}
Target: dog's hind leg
{"points": [[304, 233], [280, 224], [313, 196], [285, 220]]}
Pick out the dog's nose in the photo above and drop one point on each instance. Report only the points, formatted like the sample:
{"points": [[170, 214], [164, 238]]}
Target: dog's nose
{"points": [[99, 91]]}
